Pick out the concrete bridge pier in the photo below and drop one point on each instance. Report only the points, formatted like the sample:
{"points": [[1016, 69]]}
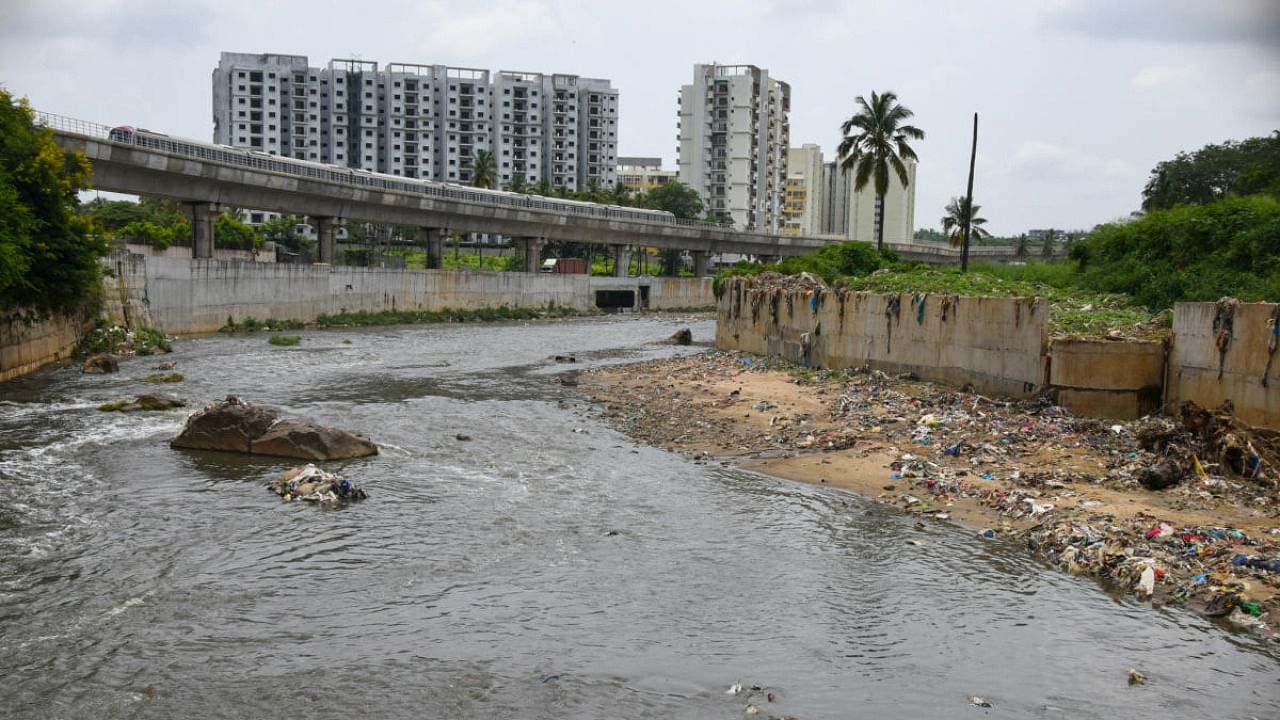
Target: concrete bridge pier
{"points": [[622, 261], [203, 216], [326, 246], [701, 260], [533, 253], [435, 247]]}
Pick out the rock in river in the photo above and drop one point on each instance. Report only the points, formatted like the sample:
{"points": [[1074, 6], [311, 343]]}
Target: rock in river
{"points": [[149, 402], [237, 426], [230, 425], [292, 438], [101, 363]]}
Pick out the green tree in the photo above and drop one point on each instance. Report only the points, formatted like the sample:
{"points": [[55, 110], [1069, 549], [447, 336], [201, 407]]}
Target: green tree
{"points": [[1215, 171], [957, 212], [1050, 236], [111, 215], [283, 231], [543, 188], [483, 169], [620, 195], [875, 141], [518, 184], [676, 198], [230, 233], [48, 259], [1021, 248]]}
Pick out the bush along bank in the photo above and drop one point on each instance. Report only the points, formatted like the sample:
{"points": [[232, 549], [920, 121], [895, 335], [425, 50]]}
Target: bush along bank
{"points": [[119, 340], [406, 317]]}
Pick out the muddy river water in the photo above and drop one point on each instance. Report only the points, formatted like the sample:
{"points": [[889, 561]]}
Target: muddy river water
{"points": [[547, 568]]}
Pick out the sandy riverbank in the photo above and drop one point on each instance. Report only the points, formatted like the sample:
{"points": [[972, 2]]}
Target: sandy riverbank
{"points": [[1071, 487]]}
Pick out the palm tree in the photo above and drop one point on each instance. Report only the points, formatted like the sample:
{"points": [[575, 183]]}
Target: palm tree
{"points": [[518, 184], [875, 140], [1021, 249], [953, 222], [1049, 236], [483, 169]]}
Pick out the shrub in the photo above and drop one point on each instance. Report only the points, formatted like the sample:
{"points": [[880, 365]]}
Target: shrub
{"points": [[285, 340]]}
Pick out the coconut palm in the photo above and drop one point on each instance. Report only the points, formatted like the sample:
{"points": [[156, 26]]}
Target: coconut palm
{"points": [[1021, 248], [518, 184], [483, 169], [1050, 236], [953, 222], [875, 140]]}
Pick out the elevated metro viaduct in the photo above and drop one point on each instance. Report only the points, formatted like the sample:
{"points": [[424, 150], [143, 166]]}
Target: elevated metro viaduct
{"points": [[199, 178]]}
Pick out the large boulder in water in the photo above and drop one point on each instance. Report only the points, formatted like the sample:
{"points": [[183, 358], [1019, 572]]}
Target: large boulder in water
{"points": [[295, 439], [230, 425], [100, 364]]}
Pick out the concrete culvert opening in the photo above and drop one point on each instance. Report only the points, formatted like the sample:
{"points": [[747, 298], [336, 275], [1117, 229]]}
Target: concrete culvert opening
{"points": [[615, 299]]}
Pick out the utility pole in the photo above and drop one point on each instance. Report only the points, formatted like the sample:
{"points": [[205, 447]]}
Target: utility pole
{"points": [[968, 200]]}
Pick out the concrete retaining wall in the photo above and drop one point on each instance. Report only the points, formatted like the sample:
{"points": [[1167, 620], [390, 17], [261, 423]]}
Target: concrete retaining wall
{"points": [[996, 344], [177, 252], [184, 296], [26, 347], [1117, 379], [1200, 372]]}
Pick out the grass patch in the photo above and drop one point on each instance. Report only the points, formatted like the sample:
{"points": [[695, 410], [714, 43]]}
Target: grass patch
{"points": [[285, 340], [249, 325], [410, 317], [1072, 312], [164, 378]]}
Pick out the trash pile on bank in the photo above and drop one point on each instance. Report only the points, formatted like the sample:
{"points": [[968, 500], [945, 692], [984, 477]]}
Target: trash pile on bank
{"points": [[1035, 467], [312, 484]]}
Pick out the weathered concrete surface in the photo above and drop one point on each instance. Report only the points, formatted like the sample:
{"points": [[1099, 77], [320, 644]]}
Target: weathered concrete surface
{"points": [[996, 344], [185, 296], [25, 348], [1121, 380], [1200, 373]]}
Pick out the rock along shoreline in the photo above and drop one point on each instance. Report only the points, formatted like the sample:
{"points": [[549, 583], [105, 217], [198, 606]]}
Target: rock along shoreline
{"points": [[1074, 490]]}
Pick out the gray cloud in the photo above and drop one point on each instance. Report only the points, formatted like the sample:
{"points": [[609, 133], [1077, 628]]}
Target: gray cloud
{"points": [[1249, 22]]}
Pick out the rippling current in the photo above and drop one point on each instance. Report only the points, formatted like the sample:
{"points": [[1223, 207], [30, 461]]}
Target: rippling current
{"points": [[549, 568]]}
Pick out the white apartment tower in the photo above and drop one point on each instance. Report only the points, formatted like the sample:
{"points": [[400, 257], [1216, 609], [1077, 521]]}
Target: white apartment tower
{"points": [[259, 102], [518, 109], [421, 121], [852, 214], [408, 114], [734, 137]]}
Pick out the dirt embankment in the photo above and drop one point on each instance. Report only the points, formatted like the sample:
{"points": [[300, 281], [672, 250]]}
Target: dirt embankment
{"points": [[1076, 489]]}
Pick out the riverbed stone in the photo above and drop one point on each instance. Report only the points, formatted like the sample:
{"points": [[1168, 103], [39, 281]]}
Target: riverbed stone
{"points": [[308, 441], [229, 425], [145, 403], [100, 364]]}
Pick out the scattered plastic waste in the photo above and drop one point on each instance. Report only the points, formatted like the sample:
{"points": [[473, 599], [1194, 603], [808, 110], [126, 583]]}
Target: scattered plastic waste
{"points": [[1136, 677], [312, 484], [979, 702]]}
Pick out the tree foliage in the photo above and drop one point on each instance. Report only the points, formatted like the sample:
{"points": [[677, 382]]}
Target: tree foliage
{"points": [[230, 233], [1194, 252], [957, 214], [1214, 172], [483, 169], [283, 231], [676, 198], [875, 141], [48, 259]]}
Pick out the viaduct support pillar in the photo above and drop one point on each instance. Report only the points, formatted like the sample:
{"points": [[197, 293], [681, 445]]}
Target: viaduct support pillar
{"points": [[622, 261], [326, 246], [435, 247], [700, 258], [533, 253], [203, 216]]}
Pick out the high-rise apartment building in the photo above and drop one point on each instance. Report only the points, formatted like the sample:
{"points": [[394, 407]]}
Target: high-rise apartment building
{"points": [[422, 121], [852, 214], [804, 197], [734, 137]]}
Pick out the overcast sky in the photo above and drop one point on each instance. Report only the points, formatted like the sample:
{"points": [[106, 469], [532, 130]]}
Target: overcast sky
{"points": [[1078, 99]]}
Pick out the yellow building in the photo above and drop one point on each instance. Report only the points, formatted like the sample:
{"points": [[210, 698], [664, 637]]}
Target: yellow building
{"points": [[803, 192], [641, 174]]}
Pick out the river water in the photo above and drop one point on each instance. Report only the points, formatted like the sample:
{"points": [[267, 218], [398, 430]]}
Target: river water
{"points": [[548, 568]]}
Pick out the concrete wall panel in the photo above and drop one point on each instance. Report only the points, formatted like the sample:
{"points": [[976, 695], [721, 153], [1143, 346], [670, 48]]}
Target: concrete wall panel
{"points": [[1199, 371]]}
